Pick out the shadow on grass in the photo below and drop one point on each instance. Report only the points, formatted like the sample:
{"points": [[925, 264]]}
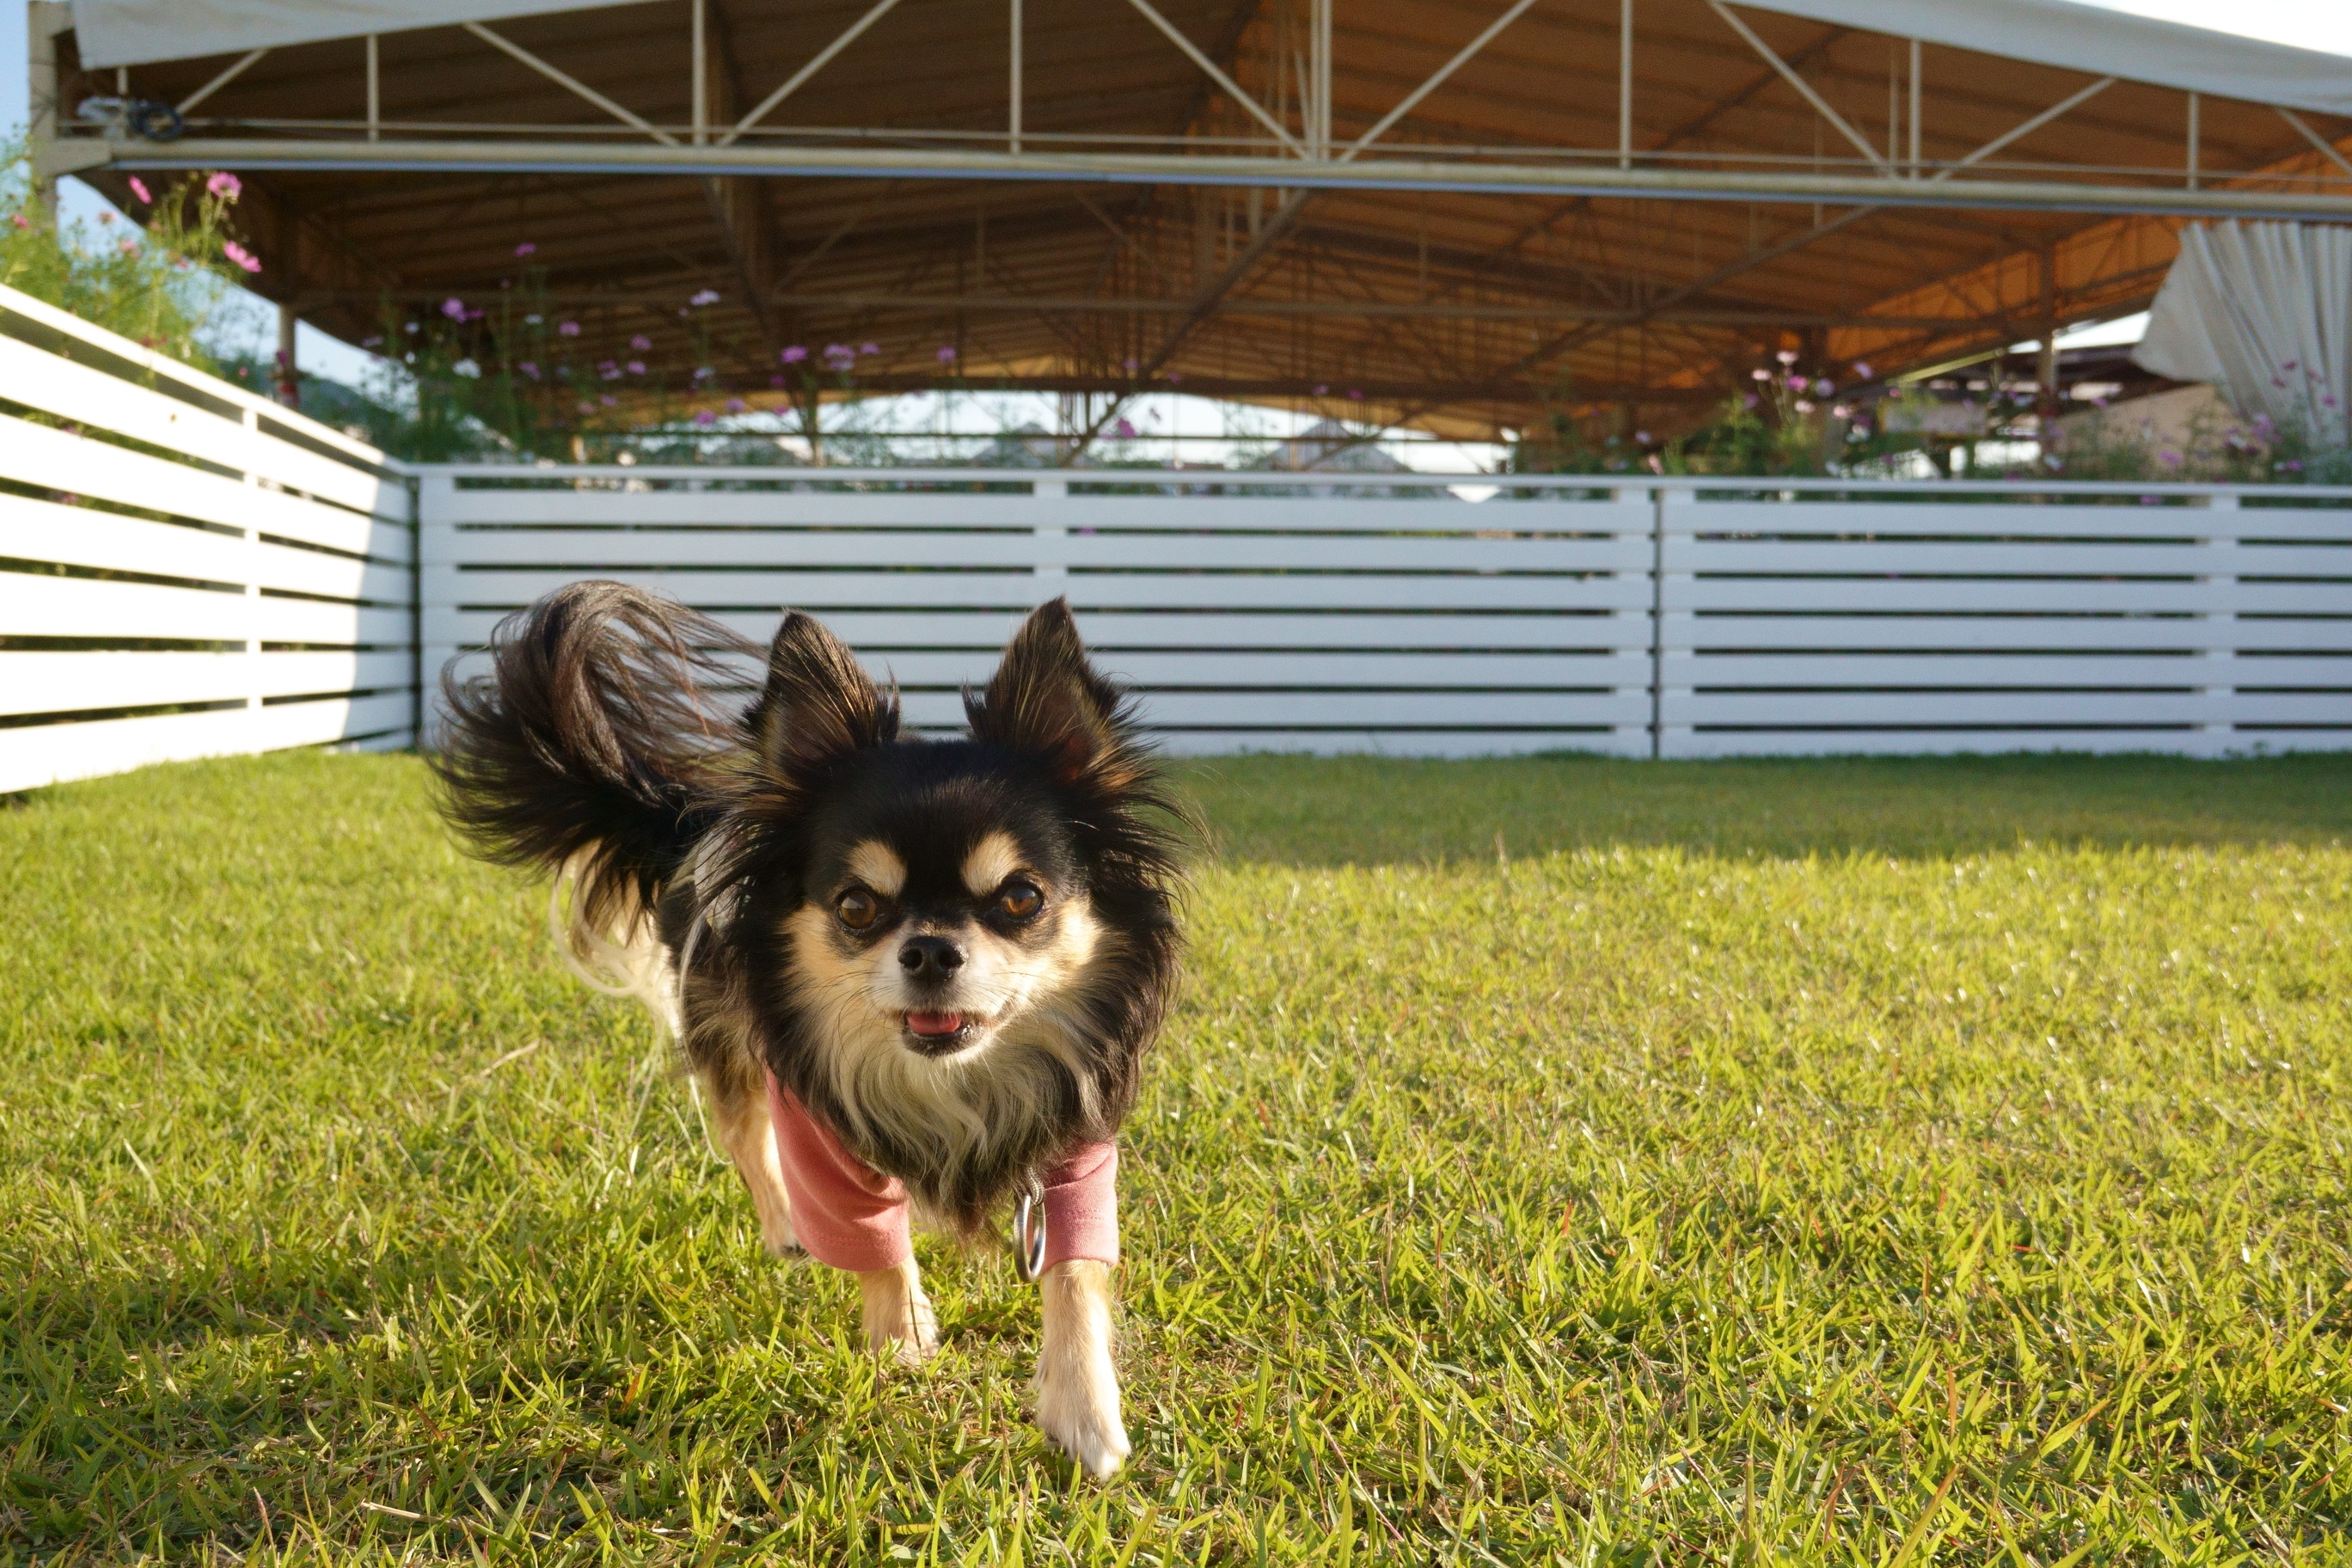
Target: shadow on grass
{"points": [[1329, 811]]}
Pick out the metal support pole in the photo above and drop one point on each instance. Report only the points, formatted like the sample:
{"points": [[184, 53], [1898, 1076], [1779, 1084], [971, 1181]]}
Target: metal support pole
{"points": [[1624, 84], [1013, 111], [43, 22], [1319, 139], [290, 381], [2193, 105], [701, 84], [374, 92], [1915, 108]]}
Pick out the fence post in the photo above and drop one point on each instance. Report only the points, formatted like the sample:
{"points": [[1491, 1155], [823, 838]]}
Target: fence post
{"points": [[436, 589], [254, 739], [1637, 628], [1051, 566], [2221, 625], [1666, 515]]}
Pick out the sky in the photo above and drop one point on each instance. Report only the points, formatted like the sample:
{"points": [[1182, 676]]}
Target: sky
{"points": [[2324, 24]]}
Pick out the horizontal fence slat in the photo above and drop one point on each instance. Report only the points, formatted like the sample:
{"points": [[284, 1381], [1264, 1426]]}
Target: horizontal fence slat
{"points": [[818, 591], [586, 554], [37, 605], [46, 531], [45, 458], [2021, 519], [92, 398], [2058, 671], [1969, 633], [30, 758], [787, 509], [2000, 558], [1913, 710], [67, 683], [1880, 595]]}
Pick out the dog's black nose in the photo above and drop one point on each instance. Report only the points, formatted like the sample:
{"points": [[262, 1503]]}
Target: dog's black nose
{"points": [[931, 957]]}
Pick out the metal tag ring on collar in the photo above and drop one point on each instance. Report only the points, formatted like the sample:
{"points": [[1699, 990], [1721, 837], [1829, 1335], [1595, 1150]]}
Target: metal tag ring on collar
{"points": [[1029, 1234]]}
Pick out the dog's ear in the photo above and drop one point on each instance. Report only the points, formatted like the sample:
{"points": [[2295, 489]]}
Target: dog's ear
{"points": [[1045, 697], [818, 705]]}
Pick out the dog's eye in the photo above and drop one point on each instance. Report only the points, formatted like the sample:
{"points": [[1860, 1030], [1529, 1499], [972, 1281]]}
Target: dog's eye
{"points": [[857, 909], [1019, 900]]}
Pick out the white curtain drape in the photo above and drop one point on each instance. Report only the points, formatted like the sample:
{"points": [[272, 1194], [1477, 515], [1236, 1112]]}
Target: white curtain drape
{"points": [[2263, 311]]}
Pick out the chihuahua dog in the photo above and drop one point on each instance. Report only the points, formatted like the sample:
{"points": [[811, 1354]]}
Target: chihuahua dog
{"points": [[914, 978]]}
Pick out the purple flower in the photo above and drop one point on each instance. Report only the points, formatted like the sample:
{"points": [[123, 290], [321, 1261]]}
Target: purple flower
{"points": [[703, 373], [227, 187], [704, 297], [775, 381], [528, 368], [703, 416], [869, 348], [636, 367], [241, 256], [1123, 430], [375, 341], [793, 355], [946, 354], [1355, 393], [1861, 368], [609, 370], [1824, 386], [609, 401], [525, 249], [641, 342], [839, 350], [1132, 365], [2169, 458], [736, 406], [139, 189], [1641, 438], [1749, 400], [568, 329], [1322, 390], [454, 309]]}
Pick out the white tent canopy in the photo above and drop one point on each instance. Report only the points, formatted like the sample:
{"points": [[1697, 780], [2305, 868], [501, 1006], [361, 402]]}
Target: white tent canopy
{"points": [[137, 32], [2264, 311], [2050, 32], [2104, 43]]}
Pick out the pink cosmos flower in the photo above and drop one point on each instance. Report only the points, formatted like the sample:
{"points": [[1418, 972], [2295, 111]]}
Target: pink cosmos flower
{"points": [[793, 355], [1798, 384], [528, 368], [454, 309], [775, 381], [20, 220], [241, 256], [1123, 430], [1861, 368], [636, 367], [525, 249], [839, 350], [1803, 406], [568, 329], [1759, 373], [704, 417], [869, 348], [139, 189], [1787, 356], [946, 354], [609, 401], [130, 247], [226, 185], [1840, 410], [640, 342], [736, 406]]}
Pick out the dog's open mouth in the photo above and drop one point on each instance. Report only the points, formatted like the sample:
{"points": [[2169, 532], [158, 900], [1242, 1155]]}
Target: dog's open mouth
{"points": [[939, 1034]]}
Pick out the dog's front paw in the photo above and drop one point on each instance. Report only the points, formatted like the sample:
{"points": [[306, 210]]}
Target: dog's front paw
{"points": [[899, 1322], [1078, 1409], [1077, 1386]]}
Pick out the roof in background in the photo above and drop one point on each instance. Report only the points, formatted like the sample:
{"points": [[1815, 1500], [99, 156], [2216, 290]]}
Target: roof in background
{"points": [[1461, 310]]}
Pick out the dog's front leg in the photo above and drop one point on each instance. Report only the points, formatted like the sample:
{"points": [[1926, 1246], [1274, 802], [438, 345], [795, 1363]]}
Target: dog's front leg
{"points": [[899, 1322], [1077, 1386]]}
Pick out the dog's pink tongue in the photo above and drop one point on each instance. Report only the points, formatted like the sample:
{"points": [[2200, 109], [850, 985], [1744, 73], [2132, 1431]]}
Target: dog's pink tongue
{"points": [[935, 1023]]}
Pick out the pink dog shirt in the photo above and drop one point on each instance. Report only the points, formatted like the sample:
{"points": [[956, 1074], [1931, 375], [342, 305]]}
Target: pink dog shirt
{"points": [[852, 1217]]}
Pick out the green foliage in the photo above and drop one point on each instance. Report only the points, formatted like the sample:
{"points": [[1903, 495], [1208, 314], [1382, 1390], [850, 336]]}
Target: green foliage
{"points": [[159, 285], [1552, 1160]]}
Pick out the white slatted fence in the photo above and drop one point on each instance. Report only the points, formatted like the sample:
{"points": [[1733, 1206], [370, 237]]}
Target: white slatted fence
{"points": [[1407, 623], [185, 568], [1384, 614], [1920, 618]]}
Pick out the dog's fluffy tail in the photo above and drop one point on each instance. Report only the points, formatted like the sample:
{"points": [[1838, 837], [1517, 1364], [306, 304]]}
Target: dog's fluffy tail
{"points": [[595, 748]]}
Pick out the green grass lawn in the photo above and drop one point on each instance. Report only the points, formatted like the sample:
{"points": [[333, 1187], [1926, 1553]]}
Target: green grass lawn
{"points": [[1551, 1161]]}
